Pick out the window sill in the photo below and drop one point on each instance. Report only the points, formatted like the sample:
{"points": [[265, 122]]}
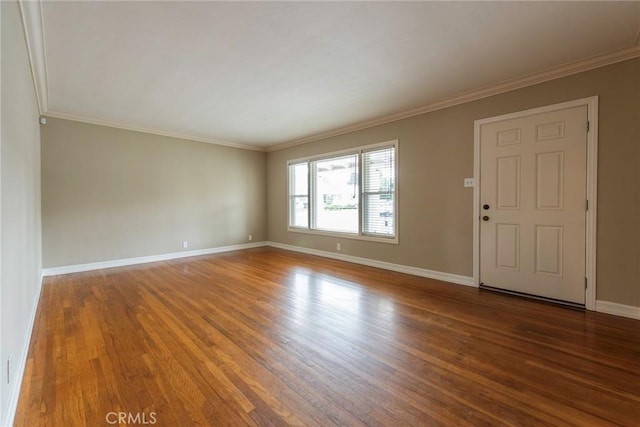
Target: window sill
{"points": [[342, 235]]}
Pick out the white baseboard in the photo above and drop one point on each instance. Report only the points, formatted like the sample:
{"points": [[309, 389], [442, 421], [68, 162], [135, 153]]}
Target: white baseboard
{"points": [[14, 390], [416, 271], [618, 309], [53, 271], [601, 306]]}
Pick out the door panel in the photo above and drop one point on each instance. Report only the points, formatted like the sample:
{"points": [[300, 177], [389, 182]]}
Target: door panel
{"points": [[549, 250], [508, 182], [533, 178], [508, 246], [550, 180]]}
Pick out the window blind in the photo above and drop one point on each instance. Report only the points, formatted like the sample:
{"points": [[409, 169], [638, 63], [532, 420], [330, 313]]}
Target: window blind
{"points": [[378, 195]]}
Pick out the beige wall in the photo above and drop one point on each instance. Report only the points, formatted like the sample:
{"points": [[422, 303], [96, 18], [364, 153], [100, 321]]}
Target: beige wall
{"points": [[20, 259], [436, 153], [110, 194]]}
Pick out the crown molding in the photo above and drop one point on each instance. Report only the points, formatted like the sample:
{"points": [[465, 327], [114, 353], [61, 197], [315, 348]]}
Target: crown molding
{"points": [[33, 27], [126, 126], [548, 74]]}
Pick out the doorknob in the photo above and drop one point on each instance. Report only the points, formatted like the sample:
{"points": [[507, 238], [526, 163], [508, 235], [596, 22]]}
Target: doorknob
{"points": [[485, 207], [485, 218]]}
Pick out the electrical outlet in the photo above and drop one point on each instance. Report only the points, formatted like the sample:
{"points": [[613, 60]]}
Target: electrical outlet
{"points": [[338, 246], [185, 244], [250, 237]]}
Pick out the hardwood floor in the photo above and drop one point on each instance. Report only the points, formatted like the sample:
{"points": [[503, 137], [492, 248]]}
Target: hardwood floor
{"points": [[270, 337]]}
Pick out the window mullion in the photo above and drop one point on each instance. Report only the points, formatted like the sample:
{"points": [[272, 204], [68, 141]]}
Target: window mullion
{"points": [[309, 205], [361, 203], [312, 195]]}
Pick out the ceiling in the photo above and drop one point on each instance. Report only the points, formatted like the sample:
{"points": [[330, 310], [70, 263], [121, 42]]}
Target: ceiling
{"points": [[272, 74]]}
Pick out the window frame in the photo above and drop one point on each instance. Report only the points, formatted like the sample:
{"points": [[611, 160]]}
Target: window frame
{"points": [[360, 235], [290, 196]]}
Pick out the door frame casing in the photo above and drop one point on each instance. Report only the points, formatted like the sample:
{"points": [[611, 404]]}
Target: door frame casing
{"points": [[591, 183]]}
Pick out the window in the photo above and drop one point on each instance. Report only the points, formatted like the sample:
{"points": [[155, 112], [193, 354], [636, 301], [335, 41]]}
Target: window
{"points": [[351, 193], [299, 195], [378, 182], [335, 193]]}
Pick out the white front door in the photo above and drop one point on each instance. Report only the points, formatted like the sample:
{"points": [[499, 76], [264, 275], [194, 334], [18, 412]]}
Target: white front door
{"points": [[533, 174]]}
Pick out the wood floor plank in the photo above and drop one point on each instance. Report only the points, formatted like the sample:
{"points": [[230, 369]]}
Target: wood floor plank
{"points": [[270, 337]]}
